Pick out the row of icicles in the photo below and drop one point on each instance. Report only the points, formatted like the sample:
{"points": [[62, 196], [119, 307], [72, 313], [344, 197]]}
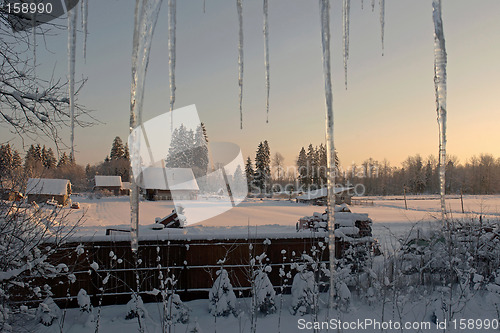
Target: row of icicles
{"points": [[72, 15], [145, 22]]}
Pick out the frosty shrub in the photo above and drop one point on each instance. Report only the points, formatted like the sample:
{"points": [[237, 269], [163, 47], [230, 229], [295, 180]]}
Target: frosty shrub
{"points": [[264, 293], [135, 308], [86, 309], [493, 295], [47, 312], [29, 235], [304, 293], [221, 298], [177, 311], [84, 301]]}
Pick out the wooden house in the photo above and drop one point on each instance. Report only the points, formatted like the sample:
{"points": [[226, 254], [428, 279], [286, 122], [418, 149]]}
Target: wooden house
{"points": [[43, 189], [168, 184], [319, 196], [113, 184]]}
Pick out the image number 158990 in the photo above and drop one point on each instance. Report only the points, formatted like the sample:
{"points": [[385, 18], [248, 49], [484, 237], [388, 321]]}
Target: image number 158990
{"points": [[29, 8]]}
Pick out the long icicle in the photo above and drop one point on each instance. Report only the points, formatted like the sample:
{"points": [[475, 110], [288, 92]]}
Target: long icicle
{"points": [[382, 22], [146, 15], [239, 6], [85, 8], [266, 56], [72, 18], [373, 5], [440, 60], [172, 22], [346, 8], [325, 42]]}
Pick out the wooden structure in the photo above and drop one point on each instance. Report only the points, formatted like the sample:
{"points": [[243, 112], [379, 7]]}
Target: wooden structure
{"points": [[41, 190], [193, 260], [319, 196], [113, 184], [169, 183]]}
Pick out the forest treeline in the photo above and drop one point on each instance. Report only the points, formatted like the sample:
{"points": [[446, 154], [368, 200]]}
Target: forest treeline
{"points": [[269, 171]]}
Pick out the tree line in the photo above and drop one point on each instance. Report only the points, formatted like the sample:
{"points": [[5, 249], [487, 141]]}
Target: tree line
{"points": [[477, 175]]}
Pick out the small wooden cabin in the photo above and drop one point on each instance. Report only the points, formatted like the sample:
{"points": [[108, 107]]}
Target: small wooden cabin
{"points": [[44, 189], [113, 184], [319, 196], [169, 184]]}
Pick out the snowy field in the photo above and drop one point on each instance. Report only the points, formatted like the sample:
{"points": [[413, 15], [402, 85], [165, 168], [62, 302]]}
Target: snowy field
{"points": [[415, 308], [275, 216], [416, 314]]}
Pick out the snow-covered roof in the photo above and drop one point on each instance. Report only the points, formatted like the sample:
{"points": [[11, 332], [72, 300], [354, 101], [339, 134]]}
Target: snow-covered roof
{"points": [[320, 193], [108, 181], [47, 186], [177, 179]]}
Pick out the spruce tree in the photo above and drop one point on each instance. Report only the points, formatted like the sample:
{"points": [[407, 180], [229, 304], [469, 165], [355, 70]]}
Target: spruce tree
{"points": [[49, 160], [262, 166], [200, 152], [250, 172], [302, 166], [117, 149], [180, 153]]}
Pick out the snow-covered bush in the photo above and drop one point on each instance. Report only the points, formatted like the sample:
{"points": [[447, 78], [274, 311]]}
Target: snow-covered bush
{"points": [[84, 301], [47, 312], [304, 293], [135, 308], [86, 310], [25, 232], [177, 311], [221, 298], [264, 294]]}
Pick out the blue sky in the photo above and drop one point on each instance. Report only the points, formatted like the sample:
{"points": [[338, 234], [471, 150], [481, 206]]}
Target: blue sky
{"points": [[388, 110]]}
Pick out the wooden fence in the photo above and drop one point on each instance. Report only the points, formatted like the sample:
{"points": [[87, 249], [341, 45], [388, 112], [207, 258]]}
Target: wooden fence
{"points": [[108, 270]]}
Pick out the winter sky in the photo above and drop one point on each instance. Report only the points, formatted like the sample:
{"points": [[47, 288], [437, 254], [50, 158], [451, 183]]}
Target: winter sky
{"points": [[388, 110]]}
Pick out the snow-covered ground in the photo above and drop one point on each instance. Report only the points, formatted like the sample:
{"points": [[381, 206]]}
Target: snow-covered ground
{"points": [[417, 313], [278, 217], [274, 216]]}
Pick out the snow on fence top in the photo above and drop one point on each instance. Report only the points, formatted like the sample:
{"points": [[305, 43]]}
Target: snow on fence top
{"points": [[320, 193], [108, 181], [47, 186], [177, 179], [200, 233]]}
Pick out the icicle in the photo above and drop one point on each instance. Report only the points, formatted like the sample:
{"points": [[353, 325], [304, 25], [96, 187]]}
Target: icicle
{"points": [[85, 6], [325, 41], [362, 4], [346, 7], [440, 59], [382, 22], [171, 49], [266, 56], [203, 6], [373, 5], [72, 18], [239, 6], [33, 33], [146, 15]]}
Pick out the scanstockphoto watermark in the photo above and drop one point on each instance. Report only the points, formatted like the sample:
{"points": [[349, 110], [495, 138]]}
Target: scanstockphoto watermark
{"points": [[368, 324], [313, 189], [311, 170]]}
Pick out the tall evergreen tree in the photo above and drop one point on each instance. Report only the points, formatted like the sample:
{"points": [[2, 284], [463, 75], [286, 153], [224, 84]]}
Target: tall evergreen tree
{"points": [[180, 153], [117, 149], [262, 166], [303, 168], [49, 160], [250, 172], [200, 152], [313, 165], [63, 160]]}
